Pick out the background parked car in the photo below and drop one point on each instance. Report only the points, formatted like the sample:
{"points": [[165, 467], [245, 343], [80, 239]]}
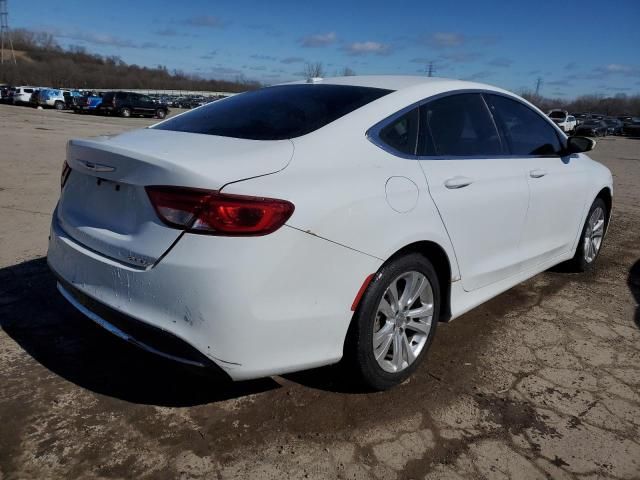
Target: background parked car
{"points": [[580, 117], [566, 122], [614, 126], [53, 97], [34, 99], [592, 128], [632, 128], [5, 94], [127, 104], [21, 95], [87, 103]]}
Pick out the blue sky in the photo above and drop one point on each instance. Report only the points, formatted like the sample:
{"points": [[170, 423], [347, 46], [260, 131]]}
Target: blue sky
{"points": [[576, 47]]}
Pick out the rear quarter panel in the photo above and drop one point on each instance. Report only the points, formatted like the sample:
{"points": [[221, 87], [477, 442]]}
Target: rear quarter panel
{"points": [[337, 181]]}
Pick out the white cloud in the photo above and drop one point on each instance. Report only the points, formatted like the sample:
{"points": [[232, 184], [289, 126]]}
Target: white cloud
{"points": [[446, 39], [369, 47], [319, 40]]}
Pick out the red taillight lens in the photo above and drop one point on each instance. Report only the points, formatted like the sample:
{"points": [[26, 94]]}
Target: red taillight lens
{"points": [[66, 170], [210, 212]]}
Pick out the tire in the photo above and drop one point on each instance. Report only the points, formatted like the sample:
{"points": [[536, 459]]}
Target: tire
{"points": [[58, 105], [584, 260], [160, 113], [369, 320], [125, 112]]}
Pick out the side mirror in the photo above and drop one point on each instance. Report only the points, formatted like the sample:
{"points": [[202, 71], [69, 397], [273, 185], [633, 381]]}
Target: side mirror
{"points": [[580, 144]]}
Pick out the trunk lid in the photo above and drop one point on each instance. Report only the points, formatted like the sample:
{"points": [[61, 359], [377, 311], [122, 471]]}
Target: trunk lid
{"points": [[105, 207]]}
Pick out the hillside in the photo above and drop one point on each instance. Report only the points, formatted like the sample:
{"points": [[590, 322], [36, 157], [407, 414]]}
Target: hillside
{"points": [[42, 61]]}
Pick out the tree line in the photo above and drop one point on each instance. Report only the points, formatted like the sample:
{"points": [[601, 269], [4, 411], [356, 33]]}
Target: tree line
{"points": [[41, 61], [619, 104]]}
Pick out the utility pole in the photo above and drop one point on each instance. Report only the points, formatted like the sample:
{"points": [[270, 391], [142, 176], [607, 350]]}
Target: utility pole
{"points": [[538, 85], [430, 69], [5, 35]]}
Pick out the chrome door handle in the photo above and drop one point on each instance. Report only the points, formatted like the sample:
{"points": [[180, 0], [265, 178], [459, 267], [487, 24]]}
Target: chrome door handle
{"points": [[457, 182], [537, 173]]}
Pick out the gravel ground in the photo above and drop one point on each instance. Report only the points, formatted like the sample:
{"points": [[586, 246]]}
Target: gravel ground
{"points": [[541, 382]]}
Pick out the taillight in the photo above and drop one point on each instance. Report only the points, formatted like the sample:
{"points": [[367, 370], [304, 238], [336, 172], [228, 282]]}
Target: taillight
{"points": [[66, 170], [214, 213]]}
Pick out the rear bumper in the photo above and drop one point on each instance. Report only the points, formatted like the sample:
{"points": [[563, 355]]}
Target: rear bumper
{"points": [[144, 336], [252, 306]]}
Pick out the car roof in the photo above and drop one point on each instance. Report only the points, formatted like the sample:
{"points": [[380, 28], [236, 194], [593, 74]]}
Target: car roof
{"points": [[394, 82]]}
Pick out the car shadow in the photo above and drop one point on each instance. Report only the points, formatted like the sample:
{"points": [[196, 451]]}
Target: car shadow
{"points": [[52, 332], [634, 285]]}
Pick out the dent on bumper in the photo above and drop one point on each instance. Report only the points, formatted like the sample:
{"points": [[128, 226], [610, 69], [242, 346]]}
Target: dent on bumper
{"points": [[108, 319], [253, 306]]}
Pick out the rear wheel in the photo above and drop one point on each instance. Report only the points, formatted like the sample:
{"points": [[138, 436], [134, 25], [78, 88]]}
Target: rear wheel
{"points": [[160, 113], [591, 238], [125, 112], [395, 322], [58, 105]]}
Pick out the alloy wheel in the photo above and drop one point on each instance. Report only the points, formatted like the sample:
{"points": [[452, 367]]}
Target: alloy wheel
{"points": [[593, 234], [403, 321]]}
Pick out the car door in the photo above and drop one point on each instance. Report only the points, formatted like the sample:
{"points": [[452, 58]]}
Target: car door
{"points": [[480, 192], [147, 106], [557, 181]]}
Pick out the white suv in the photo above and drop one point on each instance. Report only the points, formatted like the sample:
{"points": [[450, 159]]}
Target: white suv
{"points": [[566, 122], [22, 95]]}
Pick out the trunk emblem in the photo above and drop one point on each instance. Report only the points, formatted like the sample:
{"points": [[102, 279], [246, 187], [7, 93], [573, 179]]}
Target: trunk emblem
{"points": [[97, 167]]}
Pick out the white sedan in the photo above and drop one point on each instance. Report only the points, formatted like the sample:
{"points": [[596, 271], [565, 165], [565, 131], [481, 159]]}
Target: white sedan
{"points": [[297, 225]]}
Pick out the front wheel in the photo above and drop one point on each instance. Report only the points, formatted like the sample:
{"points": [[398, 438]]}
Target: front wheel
{"points": [[591, 238], [58, 105], [160, 113], [395, 322]]}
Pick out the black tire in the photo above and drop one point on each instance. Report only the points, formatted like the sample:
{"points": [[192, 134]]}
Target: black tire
{"points": [[58, 105], [359, 350], [161, 113], [125, 112], [579, 261]]}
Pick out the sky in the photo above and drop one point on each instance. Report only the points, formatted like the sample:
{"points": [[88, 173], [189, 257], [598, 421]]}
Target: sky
{"points": [[574, 47]]}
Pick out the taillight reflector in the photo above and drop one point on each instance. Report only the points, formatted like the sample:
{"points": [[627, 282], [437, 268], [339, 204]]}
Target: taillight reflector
{"points": [[214, 213], [363, 288]]}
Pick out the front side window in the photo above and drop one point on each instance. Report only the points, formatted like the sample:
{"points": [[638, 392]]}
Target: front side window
{"points": [[275, 113], [526, 132], [458, 125], [402, 133]]}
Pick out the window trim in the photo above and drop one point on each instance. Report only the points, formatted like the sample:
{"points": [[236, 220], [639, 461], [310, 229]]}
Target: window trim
{"points": [[373, 133]]}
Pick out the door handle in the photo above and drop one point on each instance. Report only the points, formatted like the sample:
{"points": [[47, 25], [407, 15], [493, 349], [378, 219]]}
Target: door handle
{"points": [[537, 173], [457, 182]]}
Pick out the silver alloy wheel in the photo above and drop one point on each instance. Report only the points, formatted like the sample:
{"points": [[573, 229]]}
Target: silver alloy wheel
{"points": [[593, 234], [403, 321]]}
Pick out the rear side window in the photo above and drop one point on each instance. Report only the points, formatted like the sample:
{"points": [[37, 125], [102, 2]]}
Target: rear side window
{"points": [[458, 125], [275, 113], [526, 132], [402, 133]]}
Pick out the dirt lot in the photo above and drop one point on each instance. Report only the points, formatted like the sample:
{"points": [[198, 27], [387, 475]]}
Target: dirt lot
{"points": [[542, 382]]}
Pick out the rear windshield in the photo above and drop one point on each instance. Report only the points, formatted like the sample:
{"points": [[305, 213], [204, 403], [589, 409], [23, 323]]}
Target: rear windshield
{"points": [[557, 115], [275, 113]]}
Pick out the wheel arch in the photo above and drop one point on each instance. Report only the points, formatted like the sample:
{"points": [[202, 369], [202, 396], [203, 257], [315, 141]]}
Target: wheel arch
{"points": [[440, 260], [607, 198]]}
